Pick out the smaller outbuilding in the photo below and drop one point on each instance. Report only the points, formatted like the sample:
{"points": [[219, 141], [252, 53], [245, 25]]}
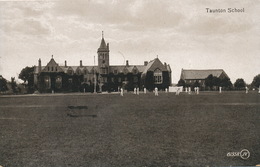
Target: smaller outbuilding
{"points": [[196, 78]]}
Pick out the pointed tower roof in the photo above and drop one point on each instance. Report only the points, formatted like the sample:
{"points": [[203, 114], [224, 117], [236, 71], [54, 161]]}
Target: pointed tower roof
{"points": [[103, 47]]}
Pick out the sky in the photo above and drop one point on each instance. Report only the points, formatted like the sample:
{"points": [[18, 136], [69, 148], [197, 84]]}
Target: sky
{"points": [[179, 32]]}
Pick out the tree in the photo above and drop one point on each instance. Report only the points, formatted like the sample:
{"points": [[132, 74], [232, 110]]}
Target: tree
{"points": [[181, 82], [3, 84], [240, 83], [216, 81], [13, 85], [256, 81], [226, 83], [27, 76], [209, 81]]}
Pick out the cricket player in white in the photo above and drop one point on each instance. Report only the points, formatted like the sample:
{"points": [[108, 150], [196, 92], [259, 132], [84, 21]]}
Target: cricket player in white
{"points": [[134, 90], [137, 91], [156, 91], [144, 90], [189, 90], [178, 91], [220, 89], [121, 92], [197, 90], [246, 89]]}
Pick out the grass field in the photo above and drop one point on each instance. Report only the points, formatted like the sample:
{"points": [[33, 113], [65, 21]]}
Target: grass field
{"points": [[109, 130]]}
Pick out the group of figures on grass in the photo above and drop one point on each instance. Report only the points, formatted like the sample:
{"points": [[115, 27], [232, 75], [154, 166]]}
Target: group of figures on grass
{"points": [[178, 90], [11, 87]]}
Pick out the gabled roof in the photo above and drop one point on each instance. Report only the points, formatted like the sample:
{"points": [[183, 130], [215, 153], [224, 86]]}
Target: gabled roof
{"points": [[154, 64], [103, 47], [52, 64], [201, 74]]}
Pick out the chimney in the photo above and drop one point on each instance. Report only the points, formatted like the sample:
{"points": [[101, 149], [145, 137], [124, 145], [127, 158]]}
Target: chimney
{"points": [[39, 65], [145, 63], [108, 46], [65, 63], [165, 64], [80, 63], [127, 63]]}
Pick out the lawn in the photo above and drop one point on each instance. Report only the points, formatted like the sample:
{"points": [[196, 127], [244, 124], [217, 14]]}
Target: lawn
{"points": [[108, 130]]}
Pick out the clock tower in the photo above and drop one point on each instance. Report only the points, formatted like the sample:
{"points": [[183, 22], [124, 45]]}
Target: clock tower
{"points": [[103, 57]]}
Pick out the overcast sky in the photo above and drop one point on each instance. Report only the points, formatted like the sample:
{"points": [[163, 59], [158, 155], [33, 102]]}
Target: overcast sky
{"points": [[180, 32]]}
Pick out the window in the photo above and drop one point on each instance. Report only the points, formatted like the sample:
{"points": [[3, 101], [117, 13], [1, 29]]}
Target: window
{"points": [[70, 72], [56, 69], [78, 72], [125, 71], [103, 70], [47, 82], [48, 68], [158, 76], [51, 68], [135, 71], [58, 82], [115, 72], [70, 80]]}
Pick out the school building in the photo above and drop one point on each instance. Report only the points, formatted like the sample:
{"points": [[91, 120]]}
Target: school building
{"points": [[103, 76], [190, 76]]}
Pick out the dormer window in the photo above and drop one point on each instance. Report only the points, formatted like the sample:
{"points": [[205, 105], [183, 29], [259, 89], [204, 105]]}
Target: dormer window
{"points": [[115, 72], [70, 72]]}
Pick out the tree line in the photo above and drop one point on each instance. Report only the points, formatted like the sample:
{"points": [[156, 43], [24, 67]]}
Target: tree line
{"points": [[211, 82]]}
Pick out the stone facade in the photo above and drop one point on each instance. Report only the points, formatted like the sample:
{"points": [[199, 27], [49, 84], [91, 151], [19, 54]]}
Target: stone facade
{"points": [[106, 77]]}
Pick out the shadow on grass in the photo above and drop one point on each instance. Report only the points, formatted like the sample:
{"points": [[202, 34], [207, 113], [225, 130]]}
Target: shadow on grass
{"points": [[76, 111]]}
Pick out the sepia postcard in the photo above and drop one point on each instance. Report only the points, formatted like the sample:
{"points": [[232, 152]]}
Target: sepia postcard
{"points": [[125, 83]]}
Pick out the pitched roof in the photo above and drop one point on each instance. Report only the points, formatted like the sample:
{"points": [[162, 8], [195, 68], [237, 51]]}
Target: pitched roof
{"points": [[129, 68], [52, 64], [201, 74], [153, 64], [103, 46]]}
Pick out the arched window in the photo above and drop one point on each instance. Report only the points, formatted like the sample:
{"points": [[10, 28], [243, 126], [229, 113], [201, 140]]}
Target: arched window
{"points": [[115, 71], [70, 72], [58, 82], [158, 79], [47, 82]]}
